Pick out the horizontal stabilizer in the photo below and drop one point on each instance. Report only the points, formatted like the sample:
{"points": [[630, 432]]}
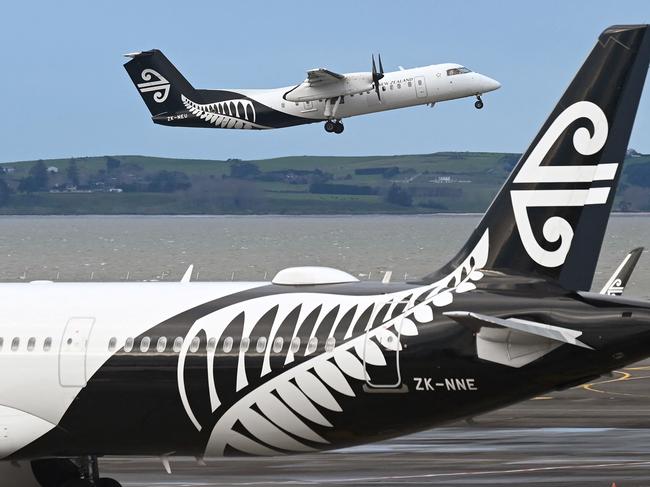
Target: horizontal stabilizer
{"points": [[477, 321]]}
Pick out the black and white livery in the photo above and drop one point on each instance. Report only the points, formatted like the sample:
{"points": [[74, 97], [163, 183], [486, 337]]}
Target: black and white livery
{"points": [[324, 96], [616, 284], [317, 360]]}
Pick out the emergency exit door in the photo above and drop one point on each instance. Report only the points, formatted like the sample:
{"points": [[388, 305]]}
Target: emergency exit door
{"points": [[72, 353], [381, 360]]}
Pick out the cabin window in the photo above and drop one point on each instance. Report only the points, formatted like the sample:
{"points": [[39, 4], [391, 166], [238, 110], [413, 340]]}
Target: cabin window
{"points": [[278, 343], [244, 344], [419, 82], [2, 342], [410, 84], [227, 345], [330, 343], [296, 103], [112, 344], [399, 86], [312, 344], [455, 71], [144, 344], [47, 344], [31, 344], [161, 345], [391, 87], [383, 88], [195, 344], [295, 345], [212, 344], [15, 343], [128, 345], [261, 344], [178, 344]]}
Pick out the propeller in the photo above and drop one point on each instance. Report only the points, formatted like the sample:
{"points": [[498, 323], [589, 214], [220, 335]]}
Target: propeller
{"points": [[377, 75]]}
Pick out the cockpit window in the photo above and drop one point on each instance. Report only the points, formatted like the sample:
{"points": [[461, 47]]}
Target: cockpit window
{"points": [[455, 71]]}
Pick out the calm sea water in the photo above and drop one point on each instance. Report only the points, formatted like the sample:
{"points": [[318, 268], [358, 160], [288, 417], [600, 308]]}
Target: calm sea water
{"points": [[110, 248]]}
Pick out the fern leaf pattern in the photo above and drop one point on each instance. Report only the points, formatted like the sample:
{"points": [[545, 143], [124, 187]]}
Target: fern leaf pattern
{"points": [[230, 114], [276, 416]]}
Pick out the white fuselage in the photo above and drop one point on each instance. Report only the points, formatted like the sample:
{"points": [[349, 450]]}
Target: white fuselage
{"points": [[397, 89]]}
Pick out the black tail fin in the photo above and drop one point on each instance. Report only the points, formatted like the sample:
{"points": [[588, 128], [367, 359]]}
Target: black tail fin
{"points": [[159, 82], [550, 216]]}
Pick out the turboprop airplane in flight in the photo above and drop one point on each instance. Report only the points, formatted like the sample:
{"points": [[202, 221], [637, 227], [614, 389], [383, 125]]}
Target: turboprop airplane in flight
{"points": [[316, 359], [324, 96]]}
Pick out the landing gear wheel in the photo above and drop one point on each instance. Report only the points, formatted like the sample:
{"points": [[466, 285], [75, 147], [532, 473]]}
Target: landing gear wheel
{"points": [[106, 482], [338, 128], [330, 126], [479, 103], [78, 483]]}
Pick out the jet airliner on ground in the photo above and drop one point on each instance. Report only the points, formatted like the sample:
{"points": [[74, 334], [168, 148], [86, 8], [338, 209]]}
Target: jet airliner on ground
{"points": [[316, 359], [323, 96]]}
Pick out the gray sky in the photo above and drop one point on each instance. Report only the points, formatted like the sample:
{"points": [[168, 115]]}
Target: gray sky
{"points": [[66, 93]]}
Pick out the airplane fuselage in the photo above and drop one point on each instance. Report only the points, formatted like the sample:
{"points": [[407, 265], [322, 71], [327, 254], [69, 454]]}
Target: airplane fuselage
{"points": [[266, 109], [214, 369]]}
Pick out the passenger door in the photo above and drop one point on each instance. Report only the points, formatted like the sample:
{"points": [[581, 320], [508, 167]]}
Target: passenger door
{"points": [[72, 352], [420, 87]]}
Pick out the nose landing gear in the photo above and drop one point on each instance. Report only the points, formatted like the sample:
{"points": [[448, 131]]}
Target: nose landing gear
{"points": [[479, 102], [334, 126]]}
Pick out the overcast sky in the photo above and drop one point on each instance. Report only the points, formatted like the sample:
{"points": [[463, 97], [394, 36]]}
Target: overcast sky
{"points": [[66, 93]]}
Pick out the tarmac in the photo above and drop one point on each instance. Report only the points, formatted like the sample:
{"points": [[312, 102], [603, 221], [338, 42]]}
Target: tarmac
{"points": [[593, 435]]}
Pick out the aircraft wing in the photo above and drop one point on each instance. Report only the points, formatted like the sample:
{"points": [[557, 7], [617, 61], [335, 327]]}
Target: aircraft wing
{"points": [[322, 76], [616, 284], [477, 321]]}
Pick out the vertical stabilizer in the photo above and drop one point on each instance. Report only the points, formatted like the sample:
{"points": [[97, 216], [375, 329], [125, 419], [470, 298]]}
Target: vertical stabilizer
{"points": [[549, 218]]}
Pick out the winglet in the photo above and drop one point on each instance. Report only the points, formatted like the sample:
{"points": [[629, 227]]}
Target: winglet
{"points": [[616, 284], [188, 274]]}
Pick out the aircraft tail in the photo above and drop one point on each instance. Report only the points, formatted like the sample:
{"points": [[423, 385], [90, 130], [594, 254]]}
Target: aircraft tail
{"points": [[159, 82], [549, 218]]}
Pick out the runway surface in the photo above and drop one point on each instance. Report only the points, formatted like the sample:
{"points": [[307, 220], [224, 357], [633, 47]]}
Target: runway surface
{"points": [[591, 435]]}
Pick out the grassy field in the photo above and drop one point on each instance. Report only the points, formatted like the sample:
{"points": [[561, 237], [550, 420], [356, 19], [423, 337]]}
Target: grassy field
{"points": [[440, 182]]}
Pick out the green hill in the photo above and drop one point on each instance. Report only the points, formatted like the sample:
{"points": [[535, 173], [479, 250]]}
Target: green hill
{"points": [[440, 182]]}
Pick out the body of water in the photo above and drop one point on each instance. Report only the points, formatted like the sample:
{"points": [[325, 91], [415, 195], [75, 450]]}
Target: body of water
{"points": [[110, 248]]}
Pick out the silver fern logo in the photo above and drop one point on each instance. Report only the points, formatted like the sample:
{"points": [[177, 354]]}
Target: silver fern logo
{"points": [[228, 114], [154, 81], [557, 229], [310, 384]]}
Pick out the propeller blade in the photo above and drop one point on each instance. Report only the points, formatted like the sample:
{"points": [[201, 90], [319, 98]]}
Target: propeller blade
{"points": [[376, 76]]}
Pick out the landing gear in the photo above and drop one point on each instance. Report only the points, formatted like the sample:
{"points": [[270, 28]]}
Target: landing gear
{"points": [[334, 126], [479, 102], [78, 483], [106, 482], [88, 473]]}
